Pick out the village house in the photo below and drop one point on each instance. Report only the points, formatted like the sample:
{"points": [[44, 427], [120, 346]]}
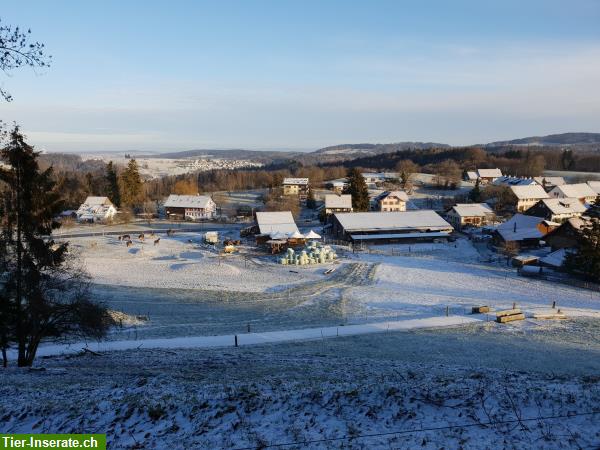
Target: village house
{"points": [[338, 203], [527, 196], [525, 231], [549, 183], [581, 191], [338, 185], [391, 201], [385, 227], [96, 209], [568, 234], [296, 186], [486, 176], [557, 209], [190, 207], [469, 215], [471, 175]]}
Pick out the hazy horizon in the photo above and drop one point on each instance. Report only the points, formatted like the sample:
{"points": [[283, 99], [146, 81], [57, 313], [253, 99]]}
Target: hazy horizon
{"points": [[164, 77]]}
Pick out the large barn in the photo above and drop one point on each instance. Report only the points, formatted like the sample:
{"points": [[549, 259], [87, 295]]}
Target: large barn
{"points": [[384, 227]]}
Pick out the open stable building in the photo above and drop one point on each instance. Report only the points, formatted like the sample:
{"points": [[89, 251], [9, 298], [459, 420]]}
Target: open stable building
{"points": [[385, 227]]}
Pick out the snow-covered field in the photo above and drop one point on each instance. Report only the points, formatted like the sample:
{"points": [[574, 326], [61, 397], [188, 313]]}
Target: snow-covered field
{"points": [[185, 289], [432, 277], [177, 263], [171, 378]]}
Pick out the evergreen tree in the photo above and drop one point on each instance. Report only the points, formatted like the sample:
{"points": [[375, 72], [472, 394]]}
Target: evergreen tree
{"points": [[586, 261], [112, 190], [42, 293], [475, 194], [131, 185], [357, 187]]}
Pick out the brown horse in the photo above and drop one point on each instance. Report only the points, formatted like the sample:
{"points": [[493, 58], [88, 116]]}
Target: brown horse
{"points": [[156, 242], [141, 237], [129, 243]]}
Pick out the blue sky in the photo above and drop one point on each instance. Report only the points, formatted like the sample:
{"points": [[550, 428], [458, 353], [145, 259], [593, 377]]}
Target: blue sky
{"points": [[302, 75]]}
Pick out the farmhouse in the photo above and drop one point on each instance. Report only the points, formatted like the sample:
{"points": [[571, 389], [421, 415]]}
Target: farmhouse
{"points": [[296, 186], [469, 214], [557, 209], [391, 201], [338, 203], [581, 191], [96, 209], [527, 196], [488, 175], [383, 227], [190, 207], [527, 231]]}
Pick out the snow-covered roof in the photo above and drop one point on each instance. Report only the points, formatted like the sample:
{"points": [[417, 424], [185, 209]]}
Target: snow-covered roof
{"points": [[405, 220], [595, 185], [299, 181], [564, 205], [276, 222], [533, 191], [556, 258], [472, 209], [551, 181], [96, 201], [489, 173], [472, 175], [399, 194], [338, 201], [520, 227], [188, 201], [579, 190], [514, 181]]}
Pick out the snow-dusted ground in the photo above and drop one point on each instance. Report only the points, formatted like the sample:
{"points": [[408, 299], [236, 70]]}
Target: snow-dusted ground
{"points": [[530, 384], [176, 263], [426, 278], [459, 388]]}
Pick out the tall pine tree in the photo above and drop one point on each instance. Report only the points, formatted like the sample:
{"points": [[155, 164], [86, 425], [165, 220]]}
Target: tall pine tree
{"points": [[112, 190], [43, 293], [357, 187], [131, 185]]}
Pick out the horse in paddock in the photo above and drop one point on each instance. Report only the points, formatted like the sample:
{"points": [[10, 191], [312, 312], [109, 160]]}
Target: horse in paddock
{"points": [[141, 237], [126, 237], [170, 232], [156, 242], [129, 243]]}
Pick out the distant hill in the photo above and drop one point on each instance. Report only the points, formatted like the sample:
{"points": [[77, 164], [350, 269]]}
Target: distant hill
{"points": [[376, 149], [253, 155], [569, 139]]}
